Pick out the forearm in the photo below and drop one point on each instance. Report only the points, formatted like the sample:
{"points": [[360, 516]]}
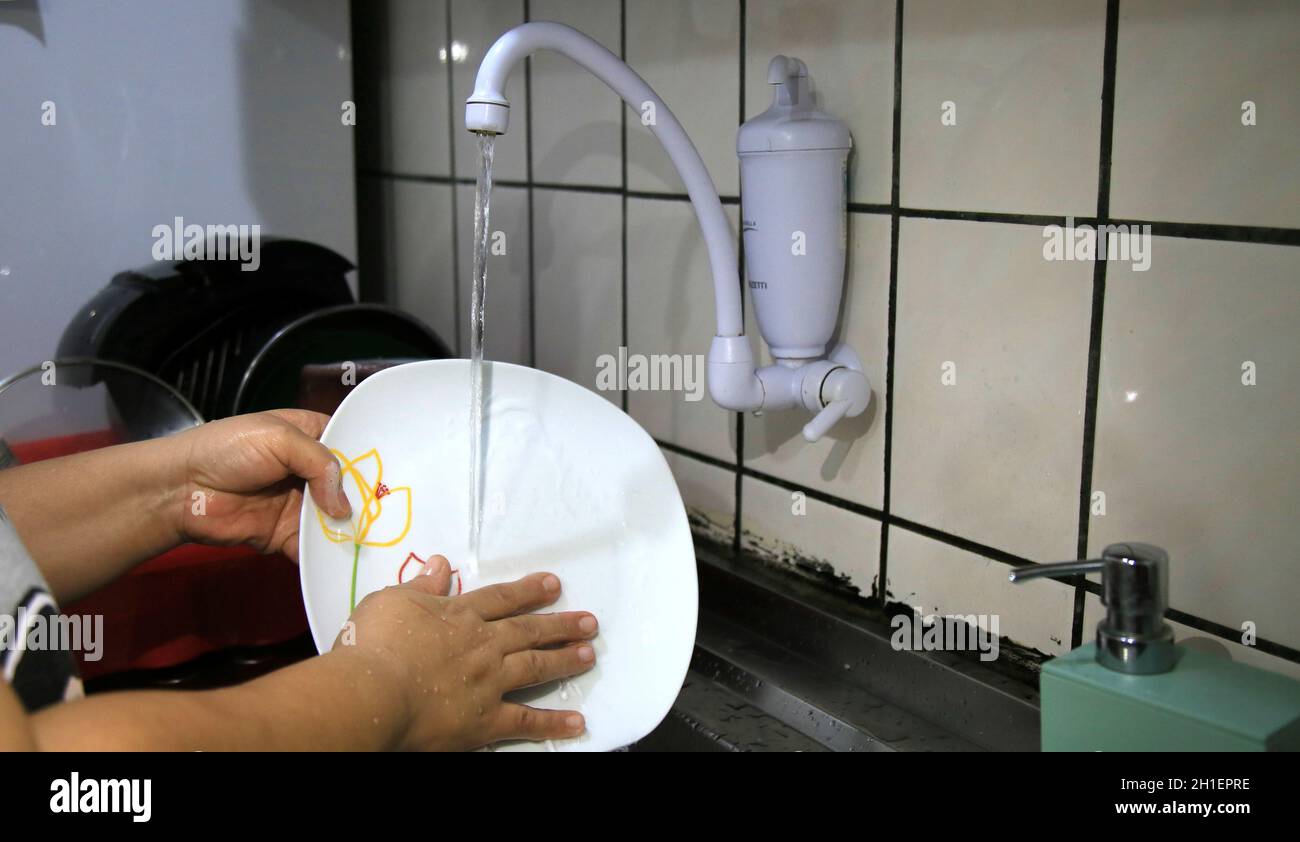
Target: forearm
{"points": [[90, 517], [335, 702]]}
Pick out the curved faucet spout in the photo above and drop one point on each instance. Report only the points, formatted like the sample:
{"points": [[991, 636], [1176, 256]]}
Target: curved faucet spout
{"points": [[731, 368]]}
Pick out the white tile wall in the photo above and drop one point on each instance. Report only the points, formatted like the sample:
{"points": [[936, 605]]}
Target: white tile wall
{"points": [[1189, 457], [579, 283], [689, 52], [709, 493], [1195, 461], [507, 329], [418, 225], [996, 456], [786, 526], [1025, 80], [1185, 68], [940, 579], [670, 311], [577, 136], [411, 133]]}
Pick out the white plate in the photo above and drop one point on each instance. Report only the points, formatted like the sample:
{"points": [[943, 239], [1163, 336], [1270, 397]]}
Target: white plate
{"points": [[572, 485]]}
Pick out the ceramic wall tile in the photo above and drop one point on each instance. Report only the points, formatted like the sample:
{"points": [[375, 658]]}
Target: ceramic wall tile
{"points": [[1001, 105], [709, 493], [1189, 455], [821, 539], [1206, 112], [578, 263], [991, 354], [937, 578], [420, 270], [404, 126], [670, 313], [507, 321], [577, 121], [689, 52]]}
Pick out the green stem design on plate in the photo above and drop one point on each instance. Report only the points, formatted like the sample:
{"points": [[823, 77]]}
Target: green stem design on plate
{"points": [[352, 596]]}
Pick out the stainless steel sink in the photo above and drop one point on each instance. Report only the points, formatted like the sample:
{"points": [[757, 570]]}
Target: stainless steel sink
{"points": [[782, 664]]}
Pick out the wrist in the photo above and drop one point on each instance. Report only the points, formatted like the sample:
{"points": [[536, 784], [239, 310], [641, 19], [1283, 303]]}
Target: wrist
{"points": [[167, 484], [378, 696]]}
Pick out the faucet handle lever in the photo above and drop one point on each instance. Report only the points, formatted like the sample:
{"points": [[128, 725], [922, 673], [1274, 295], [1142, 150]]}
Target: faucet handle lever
{"points": [[824, 420], [790, 76]]}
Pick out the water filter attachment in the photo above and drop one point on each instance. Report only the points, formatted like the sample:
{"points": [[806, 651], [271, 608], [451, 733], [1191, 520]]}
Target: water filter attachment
{"points": [[794, 202]]}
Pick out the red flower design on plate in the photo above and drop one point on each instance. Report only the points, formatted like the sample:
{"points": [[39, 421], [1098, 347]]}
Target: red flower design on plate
{"points": [[404, 575]]}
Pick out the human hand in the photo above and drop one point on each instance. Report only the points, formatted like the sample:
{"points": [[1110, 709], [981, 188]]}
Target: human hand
{"points": [[243, 479], [450, 660]]}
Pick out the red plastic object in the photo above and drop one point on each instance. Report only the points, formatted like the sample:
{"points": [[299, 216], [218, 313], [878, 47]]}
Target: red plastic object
{"points": [[186, 602]]}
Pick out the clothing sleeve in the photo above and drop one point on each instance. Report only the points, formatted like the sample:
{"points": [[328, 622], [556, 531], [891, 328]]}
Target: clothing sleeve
{"points": [[36, 641]]}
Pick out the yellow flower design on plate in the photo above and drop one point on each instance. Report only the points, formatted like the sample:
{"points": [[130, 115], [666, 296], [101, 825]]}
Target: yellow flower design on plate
{"points": [[381, 520]]}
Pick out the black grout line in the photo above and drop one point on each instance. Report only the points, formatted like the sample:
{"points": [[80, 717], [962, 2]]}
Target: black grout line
{"points": [[865, 207], [696, 455], [1159, 228], [455, 204], [675, 197], [581, 188], [1098, 311], [1231, 233], [1035, 219], [817, 495], [882, 568], [737, 529], [622, 156], [1269, 647], [961, 543], [528, 175]]}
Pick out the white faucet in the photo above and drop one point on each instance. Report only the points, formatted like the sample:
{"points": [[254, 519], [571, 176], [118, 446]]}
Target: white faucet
{"points": [[833, 387]]}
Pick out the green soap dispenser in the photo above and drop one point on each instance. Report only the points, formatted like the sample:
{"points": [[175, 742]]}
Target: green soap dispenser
{"points": [[1135, 690]]}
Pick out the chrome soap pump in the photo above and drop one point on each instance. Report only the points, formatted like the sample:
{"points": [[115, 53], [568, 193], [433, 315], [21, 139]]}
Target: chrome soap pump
{"points": [[1135, 689], [1133, 638]]}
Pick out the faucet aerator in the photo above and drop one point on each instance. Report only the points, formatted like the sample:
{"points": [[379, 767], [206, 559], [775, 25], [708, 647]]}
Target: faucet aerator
{"points": [[487, 117]]}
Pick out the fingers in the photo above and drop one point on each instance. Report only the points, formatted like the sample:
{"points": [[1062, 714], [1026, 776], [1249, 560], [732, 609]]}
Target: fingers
{"points": [[306, 457], [290, 547], [519, 722], [510, 598], [533, 631], [311, 423], [538, 666], [434, 578]]}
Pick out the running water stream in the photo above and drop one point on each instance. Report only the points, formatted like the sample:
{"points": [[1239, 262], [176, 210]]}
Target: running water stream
{"points": [[482, 205]]}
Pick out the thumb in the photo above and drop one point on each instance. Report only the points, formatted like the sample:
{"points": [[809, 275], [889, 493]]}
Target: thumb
{"points": [[307, 458], [434, 578]]}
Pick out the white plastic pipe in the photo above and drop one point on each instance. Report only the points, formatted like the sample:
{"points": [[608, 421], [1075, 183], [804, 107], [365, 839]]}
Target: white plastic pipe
{"points": [[488, 110]]}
